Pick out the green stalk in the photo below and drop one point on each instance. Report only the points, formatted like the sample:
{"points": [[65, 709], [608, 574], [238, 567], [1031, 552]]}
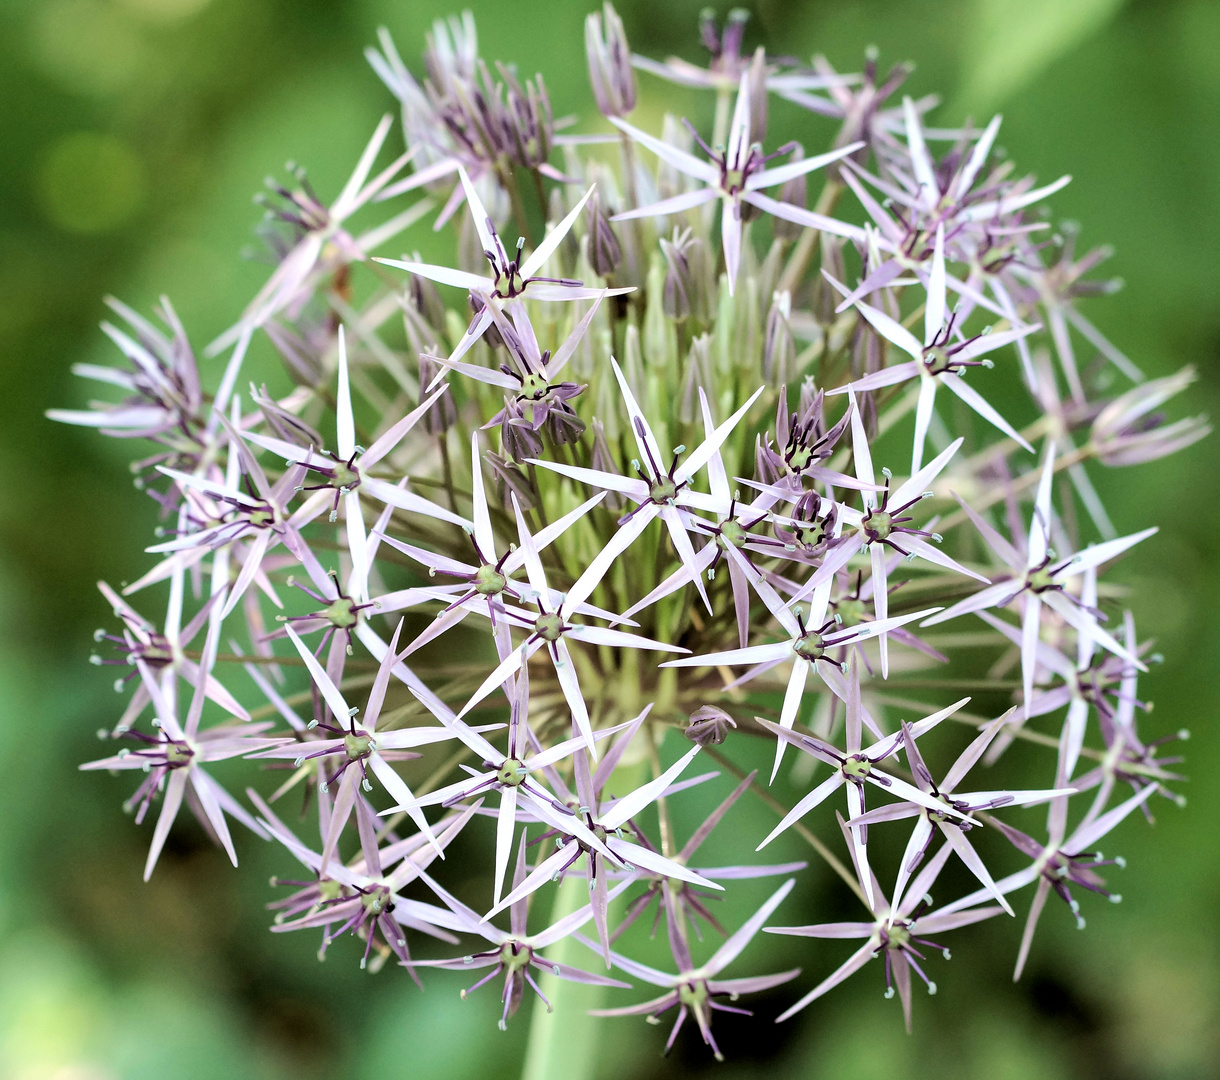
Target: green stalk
{"points": [[563, 1043]]}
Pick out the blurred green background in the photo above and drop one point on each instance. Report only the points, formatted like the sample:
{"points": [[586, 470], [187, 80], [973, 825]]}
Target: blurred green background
{"points": [[132, 136]]}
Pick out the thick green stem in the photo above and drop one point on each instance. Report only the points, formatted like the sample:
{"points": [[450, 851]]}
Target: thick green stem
{"points": [[563, 1042]]}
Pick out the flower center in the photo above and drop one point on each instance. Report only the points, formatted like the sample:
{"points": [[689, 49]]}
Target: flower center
{"points": [[178, 754], [262, 517], [663, 490], [535, 386], [488, 581], [156, 655], [731, 532], [937, 360], [377, 900], [512, 773], [856, 767], [510, 283], [548, 626], [342, 613], [899, 935], [1040, 580], [734, 180], [692, 995], [938, 815], [879, 524], [810, 646], [357, 746], [345, 477], [799, 457], [515, 956]]}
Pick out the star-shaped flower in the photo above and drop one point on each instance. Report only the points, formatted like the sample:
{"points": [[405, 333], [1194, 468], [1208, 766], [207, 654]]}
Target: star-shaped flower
{"points": [[897, 931], [1062, 862], [174, 758], [516, 951], [510, 772], [346, 473], [855, 766], [1042, 577], [366, 898], [658, 492], [966, 803], [695, 988], [609, 818], [512, 279], [939, 359], [736, 176], [358, 747], [320, 226], [809, 641], [484, 588], [552, 627]]}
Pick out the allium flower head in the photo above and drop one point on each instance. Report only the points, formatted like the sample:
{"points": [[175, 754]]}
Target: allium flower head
{"points": [[502, 591]]}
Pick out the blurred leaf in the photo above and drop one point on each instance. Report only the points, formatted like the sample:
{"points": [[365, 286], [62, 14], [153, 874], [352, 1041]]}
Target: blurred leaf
{"points": [[1008, 42]]}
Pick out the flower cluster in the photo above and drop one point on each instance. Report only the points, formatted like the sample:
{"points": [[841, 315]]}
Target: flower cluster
{"points": [[521, 515]]}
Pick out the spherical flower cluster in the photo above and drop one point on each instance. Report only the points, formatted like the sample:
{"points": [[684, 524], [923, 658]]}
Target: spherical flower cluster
{"points": [[524, 514]]}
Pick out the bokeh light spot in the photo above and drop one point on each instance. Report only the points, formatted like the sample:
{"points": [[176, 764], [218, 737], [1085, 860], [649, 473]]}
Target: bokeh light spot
{"points": [[91, 182], [87, 46]]}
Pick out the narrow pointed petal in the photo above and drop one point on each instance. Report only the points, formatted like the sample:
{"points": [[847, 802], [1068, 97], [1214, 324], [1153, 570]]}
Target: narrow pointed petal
{"points": [[817, 796], [506, 821], [330, 692], [975, 400], [732, 948], [677, 204], [679, 159], [644, 859], [444, 275], [565, 672], [629, 805], [781, 174], [554, 238], [175, 788], [730, 238], [809, 219], [850, 966], [1031, 924], [921, 161], [923, 420]]}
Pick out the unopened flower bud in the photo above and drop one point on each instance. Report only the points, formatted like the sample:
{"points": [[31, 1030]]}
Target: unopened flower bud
{"points": [[562, 423], [518, 436], [758, 96], [794, 192], [725, 47], [779, 348], [609, 58], [283, 423], [509, 481], [604, 250], [443, 414], [709, 725], [492, 337], [685, 290], [1129, 431], [603, 461]]}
